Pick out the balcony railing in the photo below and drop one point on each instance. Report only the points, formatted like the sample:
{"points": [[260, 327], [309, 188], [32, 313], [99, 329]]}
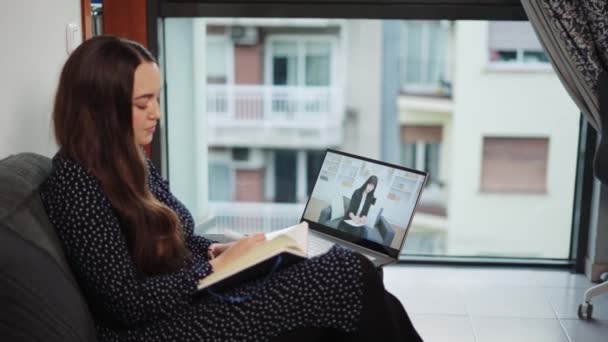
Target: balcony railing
{"points": [[271, 105], [427, 236], [251, 217]]}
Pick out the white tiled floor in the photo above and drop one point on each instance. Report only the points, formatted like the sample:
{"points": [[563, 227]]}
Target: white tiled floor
{"points": [[472, 304]]}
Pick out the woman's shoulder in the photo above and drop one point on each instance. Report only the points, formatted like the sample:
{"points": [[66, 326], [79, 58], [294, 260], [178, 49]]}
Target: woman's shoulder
{"points": [[154, 176], [64, 164], [68, 172]]}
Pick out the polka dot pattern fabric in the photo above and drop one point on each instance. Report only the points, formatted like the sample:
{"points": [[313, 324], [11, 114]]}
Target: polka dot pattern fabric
{"points": [[324, 291]]}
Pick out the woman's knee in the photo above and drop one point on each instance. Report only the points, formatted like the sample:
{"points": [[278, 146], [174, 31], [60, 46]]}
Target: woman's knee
{"points": [[356, 264], [370, 275]]}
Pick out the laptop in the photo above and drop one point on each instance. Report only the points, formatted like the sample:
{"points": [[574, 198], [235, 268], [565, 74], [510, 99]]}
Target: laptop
{"points": [[362, 204]]}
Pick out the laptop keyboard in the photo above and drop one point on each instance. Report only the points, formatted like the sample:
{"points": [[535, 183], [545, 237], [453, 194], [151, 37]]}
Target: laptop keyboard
{"points": [[317, 246]]}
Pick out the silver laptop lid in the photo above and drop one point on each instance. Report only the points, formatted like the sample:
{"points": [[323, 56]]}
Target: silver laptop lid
{"points": [[364, 201]]}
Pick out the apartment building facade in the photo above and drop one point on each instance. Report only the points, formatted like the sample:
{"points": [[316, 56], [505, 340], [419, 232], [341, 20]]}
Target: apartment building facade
{"points": [[489, 119]]}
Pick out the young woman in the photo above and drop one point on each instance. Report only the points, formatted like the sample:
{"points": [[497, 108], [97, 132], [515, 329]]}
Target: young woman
{"points": [[361, 200], [355, 218], [130, 242]]}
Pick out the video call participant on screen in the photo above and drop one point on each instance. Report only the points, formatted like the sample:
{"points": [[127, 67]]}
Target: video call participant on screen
{"points": [[361, 200]]}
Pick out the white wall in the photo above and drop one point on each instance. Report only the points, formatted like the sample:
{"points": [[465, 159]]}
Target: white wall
{"points": [[508, 104], [32, 33]]}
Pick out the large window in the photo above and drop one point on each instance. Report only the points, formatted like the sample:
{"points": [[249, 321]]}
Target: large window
{"points": [[253, 102]]}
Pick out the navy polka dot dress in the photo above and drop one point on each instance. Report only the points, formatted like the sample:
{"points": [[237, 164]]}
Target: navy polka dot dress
{"points": [[324, 291]]}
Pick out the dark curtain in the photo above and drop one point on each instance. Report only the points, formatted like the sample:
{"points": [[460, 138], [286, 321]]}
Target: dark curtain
{"points": [[574, 33]]}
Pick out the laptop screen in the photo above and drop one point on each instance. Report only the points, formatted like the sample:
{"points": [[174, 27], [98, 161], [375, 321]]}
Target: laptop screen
{"points": [[364, 201]]}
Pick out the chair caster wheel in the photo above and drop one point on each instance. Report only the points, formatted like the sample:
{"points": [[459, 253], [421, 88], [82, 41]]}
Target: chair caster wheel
{"points": [[585, 311]]}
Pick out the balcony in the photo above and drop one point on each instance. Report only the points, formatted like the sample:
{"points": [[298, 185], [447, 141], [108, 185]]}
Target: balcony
{"points": [[274, 116]]}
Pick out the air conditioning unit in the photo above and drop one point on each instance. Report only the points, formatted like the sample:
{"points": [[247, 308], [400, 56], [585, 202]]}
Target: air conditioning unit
{"points": [[244, 35]]}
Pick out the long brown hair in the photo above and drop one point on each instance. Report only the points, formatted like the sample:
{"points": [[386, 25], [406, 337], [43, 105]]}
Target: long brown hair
{"points": [[93, 125]]}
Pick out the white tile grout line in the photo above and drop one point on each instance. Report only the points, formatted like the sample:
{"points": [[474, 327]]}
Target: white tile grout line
{"points": [[547, 297], [564, 330], [472, 327]]}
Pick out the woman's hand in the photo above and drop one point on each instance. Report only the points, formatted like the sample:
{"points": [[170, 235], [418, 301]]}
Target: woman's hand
{"points": [[218, 248], [235, 249], [360, 219]]}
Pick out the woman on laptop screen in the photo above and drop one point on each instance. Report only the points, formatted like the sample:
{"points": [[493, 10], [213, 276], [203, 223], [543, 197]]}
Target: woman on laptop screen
{"points": [[131, 245], [362, 199]]}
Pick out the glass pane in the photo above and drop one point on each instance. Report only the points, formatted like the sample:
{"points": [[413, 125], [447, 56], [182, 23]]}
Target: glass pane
{"points": [[318, 58], [219, 183], [413, 47], [284, 63], [431, 162], [535, 57], [503, 56], [408, 155], [423, 56], [435, 53], [285, 105], [285, 176], [217, 64]]}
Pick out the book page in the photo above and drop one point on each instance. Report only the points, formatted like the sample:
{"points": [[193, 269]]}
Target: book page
{"points": [[299, 233], [266, 250]]}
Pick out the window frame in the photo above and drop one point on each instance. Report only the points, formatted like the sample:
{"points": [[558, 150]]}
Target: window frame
{"points": [[368, 9], [157, 10]]}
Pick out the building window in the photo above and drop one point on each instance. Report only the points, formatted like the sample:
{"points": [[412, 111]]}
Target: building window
{"points": [[514, 165], [424, 50], [514, 43], [218, 59], [300, 61], [534, 57], [519, 56], [420, 149], [284, 63], [220, 182], [317, 63], [240, 154]]}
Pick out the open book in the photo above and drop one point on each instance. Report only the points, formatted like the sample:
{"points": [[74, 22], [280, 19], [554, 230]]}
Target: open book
{"points": [[289, 243]]}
